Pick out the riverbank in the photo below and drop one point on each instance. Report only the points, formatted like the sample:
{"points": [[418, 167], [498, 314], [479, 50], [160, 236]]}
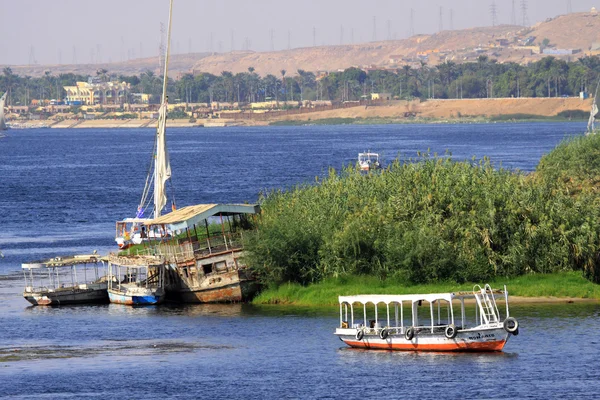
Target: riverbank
{"points": [[566, 287], [387, 112], [450, 111]]}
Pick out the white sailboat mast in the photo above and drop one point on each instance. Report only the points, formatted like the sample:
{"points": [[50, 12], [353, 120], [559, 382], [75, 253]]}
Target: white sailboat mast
{"points": [[162, 166]]}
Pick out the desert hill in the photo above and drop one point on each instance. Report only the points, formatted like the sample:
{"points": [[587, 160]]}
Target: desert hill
{"points": [[577, 31]]}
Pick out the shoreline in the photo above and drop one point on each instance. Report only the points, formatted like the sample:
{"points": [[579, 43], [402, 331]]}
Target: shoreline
{"points": [[433, 111], [513, 300]]}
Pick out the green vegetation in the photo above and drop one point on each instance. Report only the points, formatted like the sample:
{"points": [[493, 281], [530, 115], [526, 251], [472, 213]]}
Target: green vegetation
{"points": [[520, 117], [324, 121], [433, 220], [562, 284], [574, 165], [548, 77], [574, 114], [566, 115]]}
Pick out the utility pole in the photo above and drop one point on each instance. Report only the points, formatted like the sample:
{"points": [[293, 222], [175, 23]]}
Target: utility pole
{"points": [[232, 41], [374, 28], [314, 36], [272, 41], [524, 13], [289, 39], [513, 14], [451, 19], [494, 13], [389, 30], [161, 47], [441, 22], [32, 60], [341, 35], [411, 32], [569, 7], [122, 48]]}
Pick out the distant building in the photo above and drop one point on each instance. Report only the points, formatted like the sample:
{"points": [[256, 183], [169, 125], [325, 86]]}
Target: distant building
{"points": [[142, 98], [95, 93], [560, 52], [381, 96]]}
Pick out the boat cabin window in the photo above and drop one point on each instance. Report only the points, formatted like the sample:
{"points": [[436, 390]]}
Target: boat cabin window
{"points": [[221, 266], [207, 269]]}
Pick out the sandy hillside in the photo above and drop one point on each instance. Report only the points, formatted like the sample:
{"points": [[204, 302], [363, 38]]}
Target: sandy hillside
{"points": [[454, 108], [573, 31]]}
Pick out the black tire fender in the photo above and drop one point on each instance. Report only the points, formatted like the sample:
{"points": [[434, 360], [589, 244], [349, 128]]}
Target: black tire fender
{"points": [[450, 331], [511, 325], [384, 333], [410, 333], [360, 334]]}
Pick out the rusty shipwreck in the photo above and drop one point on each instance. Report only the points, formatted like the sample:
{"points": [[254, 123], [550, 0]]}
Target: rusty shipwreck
{"points": [[202, 249]]}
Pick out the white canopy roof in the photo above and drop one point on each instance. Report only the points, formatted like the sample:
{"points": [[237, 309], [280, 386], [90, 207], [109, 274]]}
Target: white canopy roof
{"points": [[398, 298]]}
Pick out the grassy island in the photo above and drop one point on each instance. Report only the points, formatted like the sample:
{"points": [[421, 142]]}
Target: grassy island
{"points": [[433, 224]]}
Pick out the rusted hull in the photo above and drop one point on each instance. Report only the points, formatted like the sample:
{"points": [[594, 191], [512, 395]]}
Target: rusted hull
{"points": [[489, 340], [232, 293], [66, 297]]}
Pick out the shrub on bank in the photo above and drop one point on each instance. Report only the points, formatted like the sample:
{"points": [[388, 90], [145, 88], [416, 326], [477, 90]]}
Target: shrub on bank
{"points": [[425, 220]]}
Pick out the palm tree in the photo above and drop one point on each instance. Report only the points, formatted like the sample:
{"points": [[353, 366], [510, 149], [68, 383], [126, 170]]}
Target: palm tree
{"points": [[283, 82], [10, 80]]}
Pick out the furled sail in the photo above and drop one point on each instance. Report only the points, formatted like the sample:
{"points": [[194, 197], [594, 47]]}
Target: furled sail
{"points": [[162, 166], [2, 120], [590, 127], [162, 171]]}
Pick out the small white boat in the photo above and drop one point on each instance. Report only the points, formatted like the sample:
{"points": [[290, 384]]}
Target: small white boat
{"points": [[426, 322], [136, 280], [368, 161], [3, 125], [65, 280]]}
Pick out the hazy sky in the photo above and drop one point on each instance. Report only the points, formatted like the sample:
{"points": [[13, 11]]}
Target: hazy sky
{"points": [[64, 31]]}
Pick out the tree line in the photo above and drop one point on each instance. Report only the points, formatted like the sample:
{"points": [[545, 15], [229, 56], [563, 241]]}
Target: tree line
{"points": [[486, 78]]}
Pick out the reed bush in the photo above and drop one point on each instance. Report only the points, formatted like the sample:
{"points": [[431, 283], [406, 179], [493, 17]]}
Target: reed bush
{"points": [[426, 220]]}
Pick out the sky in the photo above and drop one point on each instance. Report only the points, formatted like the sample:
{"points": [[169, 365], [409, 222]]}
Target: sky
{"points": [[76, 31]]}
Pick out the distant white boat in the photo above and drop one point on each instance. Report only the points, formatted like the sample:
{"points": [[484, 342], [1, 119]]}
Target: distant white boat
{"points": [[591, 128], [3, 126], [368, 161]]}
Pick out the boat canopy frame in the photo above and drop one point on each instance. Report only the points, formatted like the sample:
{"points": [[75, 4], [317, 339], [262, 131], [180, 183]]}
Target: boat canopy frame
{"points": [[188, 217], [486, 310]]}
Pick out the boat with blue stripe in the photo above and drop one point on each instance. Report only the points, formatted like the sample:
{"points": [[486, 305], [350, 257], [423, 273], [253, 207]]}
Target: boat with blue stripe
{"points": [[136, 280]]}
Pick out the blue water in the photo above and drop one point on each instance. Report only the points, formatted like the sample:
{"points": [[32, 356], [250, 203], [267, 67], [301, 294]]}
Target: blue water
{"points": [[62, 190]]}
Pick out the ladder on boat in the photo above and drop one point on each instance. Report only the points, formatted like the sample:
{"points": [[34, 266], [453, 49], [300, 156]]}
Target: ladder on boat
{"points": [[488, 310]]}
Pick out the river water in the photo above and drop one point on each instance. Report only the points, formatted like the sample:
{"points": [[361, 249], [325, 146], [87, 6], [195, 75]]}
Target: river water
{"points": [[62, 190]]}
